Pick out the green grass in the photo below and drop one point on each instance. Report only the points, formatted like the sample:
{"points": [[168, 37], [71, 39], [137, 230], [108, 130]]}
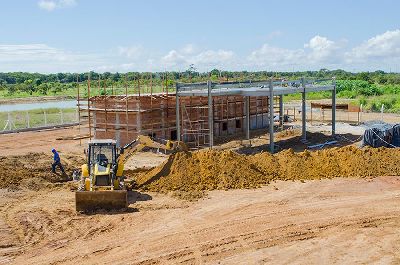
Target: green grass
{"points": [[310, 96], [70, 93], [391, 102]]}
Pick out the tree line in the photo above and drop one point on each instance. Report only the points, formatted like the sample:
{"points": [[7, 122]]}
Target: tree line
{"points": [[44, 84]]}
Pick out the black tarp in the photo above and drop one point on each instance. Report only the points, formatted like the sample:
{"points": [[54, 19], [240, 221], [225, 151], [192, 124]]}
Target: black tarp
{"points": [[382, 134]]}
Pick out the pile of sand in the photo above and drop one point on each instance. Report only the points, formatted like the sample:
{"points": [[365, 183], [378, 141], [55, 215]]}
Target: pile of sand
{"points": [[210, 169], [31, 169]]}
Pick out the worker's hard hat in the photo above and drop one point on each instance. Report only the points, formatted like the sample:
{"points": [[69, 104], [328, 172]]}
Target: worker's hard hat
{"points": [[53, 150]]}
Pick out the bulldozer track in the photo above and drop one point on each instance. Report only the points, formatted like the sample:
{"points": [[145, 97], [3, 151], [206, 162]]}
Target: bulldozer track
{"points": [[222, 248]]}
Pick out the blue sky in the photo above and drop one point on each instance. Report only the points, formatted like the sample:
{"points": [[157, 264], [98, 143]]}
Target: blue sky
{"points": [[126, 35]]}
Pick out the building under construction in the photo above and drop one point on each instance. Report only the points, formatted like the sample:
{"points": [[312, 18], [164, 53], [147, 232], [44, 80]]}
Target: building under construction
{"points": [[207, 111]]}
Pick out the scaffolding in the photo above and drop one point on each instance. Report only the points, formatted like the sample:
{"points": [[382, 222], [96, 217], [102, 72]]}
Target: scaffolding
{"points": [[196, 113]]}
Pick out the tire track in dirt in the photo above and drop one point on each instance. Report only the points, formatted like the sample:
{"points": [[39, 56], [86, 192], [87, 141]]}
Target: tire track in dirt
{"points": [[222, 248], [228, 226], [9, 243]]}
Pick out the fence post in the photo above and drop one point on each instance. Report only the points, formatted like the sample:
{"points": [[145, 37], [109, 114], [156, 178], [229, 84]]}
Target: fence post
{"points": [[382, 109], [27, 120], [9, 121], [61, 116], [45, 117]]}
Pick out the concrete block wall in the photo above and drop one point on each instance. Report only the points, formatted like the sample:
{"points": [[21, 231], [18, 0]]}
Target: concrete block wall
{"points": [[123, 119]]}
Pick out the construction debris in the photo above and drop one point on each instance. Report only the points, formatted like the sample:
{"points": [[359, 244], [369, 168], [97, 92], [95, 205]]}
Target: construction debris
{"points": [[74, 137], [319, 146]]}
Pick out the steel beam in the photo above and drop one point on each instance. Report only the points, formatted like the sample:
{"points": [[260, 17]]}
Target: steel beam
{"points": [[254, 91]]}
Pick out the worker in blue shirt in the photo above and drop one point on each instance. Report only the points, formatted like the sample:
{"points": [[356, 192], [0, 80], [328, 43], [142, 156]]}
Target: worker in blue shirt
{"points": [[57, 162]]}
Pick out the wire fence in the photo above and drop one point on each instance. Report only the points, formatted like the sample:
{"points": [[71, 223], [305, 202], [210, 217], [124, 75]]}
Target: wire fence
{"points": [[318, 116], [17, 120]]}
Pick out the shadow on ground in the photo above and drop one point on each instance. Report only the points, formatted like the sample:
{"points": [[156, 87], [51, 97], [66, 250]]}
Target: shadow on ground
{"points": [[133, 197], [136, 196]]}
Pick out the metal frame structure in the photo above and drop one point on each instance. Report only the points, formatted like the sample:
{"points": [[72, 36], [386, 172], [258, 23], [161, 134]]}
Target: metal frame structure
{"points": [[270, 88]]}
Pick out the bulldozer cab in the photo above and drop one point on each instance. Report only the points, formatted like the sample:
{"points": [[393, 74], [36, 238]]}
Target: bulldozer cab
{"points": [[102, 152], [102, 159]]}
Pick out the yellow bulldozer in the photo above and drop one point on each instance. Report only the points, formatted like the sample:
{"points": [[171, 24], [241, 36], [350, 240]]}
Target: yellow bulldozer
{"points": [[103, 184]]}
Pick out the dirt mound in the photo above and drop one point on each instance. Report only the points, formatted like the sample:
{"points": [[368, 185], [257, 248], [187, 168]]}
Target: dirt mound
{"points": [[33, 169], [210, 169], [336, 162], [202, 170]]}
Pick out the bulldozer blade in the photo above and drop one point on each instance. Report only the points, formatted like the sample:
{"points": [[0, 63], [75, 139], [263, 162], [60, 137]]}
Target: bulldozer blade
{"points": [[94, 200]]}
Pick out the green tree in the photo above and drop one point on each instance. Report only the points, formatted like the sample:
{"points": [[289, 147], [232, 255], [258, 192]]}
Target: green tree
{"points": [[29, 86], [43, 88], [11, 90]]}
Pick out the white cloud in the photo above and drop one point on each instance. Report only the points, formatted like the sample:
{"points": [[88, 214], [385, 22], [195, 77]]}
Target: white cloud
{"points": [[211, 57], [131, 51], [384, 47], [317, 52], [323, 50], [26, 52], [189, 49], [271, 56], [47, 5], [203, 60], [50, 5], [43, 58], [174, 58], [379, 52]]}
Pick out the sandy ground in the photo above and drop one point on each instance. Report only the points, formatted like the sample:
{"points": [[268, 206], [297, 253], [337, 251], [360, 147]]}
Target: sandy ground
{"points": [[339, 221], [42, 141]]}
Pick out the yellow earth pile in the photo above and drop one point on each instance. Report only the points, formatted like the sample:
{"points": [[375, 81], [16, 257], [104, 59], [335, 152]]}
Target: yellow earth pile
{"points": [[210, 169], [28, 170]]}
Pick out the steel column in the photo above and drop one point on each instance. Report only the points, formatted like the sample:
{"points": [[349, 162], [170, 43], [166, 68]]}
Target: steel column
{"points": [[210, 115], [303, 111], [271, 117], [281, 110], [247, 114], [334, 108], [177, 116]]}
